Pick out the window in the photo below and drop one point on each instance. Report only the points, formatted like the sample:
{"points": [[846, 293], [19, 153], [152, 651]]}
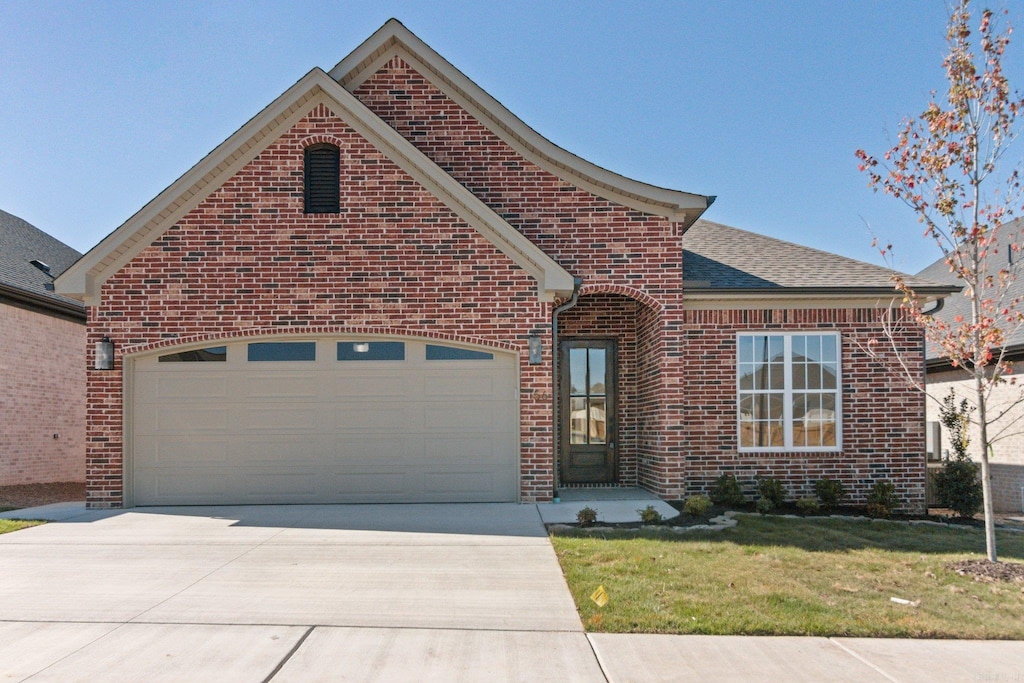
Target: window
{"points": [[435, 352], [215, 353], [788, 391], [322, 169], [371, 351], [282, 351]]}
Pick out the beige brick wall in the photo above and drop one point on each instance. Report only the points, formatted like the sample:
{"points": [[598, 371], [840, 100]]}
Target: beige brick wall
{"points": [[42, 398], [1008, 452]]}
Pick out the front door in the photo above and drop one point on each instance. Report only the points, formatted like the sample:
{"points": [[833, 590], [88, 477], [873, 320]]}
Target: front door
{"points": [[587, 401]]}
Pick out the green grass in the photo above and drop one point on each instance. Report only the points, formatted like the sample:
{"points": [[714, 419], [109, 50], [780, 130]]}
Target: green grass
{"points": [[774, 576], [9, 525]]}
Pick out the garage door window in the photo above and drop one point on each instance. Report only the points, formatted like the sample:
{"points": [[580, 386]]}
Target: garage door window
{"points": [[435, 352], [214, 353], [282, 351], [356, 351]]}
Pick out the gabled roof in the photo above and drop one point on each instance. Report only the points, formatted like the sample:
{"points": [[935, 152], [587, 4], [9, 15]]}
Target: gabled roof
{"points": [[84, 278], [28, 284], [721, 259], [1000, 257], [394, 39]]}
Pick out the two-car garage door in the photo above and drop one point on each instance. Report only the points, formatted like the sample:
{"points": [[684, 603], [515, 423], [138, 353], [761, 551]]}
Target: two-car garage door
{"points": [[324, 421]]}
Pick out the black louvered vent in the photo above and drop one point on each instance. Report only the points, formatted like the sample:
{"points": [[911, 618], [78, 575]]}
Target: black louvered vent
{"points": [[322, 171]]}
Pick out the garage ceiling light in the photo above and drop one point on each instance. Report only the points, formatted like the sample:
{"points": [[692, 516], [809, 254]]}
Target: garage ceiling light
{"points": [[361, 347]]}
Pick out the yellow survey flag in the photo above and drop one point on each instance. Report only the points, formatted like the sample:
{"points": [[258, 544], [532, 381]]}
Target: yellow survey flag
{"points": [[600, 596]]}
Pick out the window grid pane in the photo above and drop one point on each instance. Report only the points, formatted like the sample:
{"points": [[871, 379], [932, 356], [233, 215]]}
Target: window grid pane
{"points": [[787, 391]]}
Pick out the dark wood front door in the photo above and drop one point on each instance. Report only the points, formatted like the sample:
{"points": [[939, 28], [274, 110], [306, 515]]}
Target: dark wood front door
{"points": [[587, 404]]}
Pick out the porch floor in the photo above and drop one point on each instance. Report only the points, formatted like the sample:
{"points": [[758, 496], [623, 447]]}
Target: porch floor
{"points": [[612, 503]]}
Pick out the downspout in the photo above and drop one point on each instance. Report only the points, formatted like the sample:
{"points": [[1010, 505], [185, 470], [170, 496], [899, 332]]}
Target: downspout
{"points": [[577, 282]]}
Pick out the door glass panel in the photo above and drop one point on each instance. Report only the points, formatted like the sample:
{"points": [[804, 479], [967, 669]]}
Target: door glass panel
{"points": [[578, 420], [282, 351], [597, 427], [577, 371], [597, 372]]}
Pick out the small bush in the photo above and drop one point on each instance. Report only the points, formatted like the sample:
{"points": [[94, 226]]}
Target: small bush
{"points": [[697, 506], [882, 500], [727, 492], [649, 515], [772, 489], [586, 517], [764, 505], [808, 505], [957, 484], [830, 493]]}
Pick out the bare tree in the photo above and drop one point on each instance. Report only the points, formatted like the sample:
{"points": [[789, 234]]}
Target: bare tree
{"points": [[948, 167]]}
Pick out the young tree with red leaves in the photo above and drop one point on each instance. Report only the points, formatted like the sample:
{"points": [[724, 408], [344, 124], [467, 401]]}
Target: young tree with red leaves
{"points": [[946, 166]]}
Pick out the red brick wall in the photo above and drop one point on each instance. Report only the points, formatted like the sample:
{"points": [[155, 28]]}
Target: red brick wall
{"points": [[249, 261], [883, 426], [42, 398]]}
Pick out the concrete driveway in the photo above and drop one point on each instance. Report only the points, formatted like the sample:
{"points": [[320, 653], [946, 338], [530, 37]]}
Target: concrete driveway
{"points": [[389, 592]]}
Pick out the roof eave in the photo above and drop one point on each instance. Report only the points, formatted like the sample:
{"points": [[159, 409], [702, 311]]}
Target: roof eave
{"points": [[23, 298], [393, 38]]}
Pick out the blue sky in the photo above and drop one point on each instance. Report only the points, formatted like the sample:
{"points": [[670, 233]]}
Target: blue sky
{"points": [[104, 104]]}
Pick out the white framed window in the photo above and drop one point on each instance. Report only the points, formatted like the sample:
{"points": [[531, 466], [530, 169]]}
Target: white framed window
{"points": [[788, 391]]}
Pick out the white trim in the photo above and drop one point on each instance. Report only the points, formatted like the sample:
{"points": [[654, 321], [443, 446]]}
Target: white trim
{"points": [[394, 39], [788, 391], [85, 277]]}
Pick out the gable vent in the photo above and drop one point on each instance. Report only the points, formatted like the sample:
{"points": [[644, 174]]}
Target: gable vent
{"points": [[322, 171]]}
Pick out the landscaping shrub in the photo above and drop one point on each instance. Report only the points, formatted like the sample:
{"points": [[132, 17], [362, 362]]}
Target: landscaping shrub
{"points": [[807, 505], [830, 493], [957, 484], [882, 500], [697, 506], [727, 492], [764, 505], [772, 489], [649, 515], [586, 516]]}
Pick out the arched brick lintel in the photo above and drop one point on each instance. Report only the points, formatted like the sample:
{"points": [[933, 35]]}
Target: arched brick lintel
{"points": [[332, 331]]}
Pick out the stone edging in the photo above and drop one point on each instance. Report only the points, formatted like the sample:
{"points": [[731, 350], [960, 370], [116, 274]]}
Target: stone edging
{"points": [[728, 520]]}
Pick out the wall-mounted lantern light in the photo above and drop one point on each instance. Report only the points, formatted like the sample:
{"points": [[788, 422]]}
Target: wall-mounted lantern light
{"points": [[536, 349], [104, 354]]}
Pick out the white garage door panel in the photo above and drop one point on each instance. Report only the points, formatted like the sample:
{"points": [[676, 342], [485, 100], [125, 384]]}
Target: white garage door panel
{"points": [[240, 432]]}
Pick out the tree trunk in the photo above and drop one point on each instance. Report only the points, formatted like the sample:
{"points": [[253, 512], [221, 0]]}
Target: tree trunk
{"points": [[986, 474]]}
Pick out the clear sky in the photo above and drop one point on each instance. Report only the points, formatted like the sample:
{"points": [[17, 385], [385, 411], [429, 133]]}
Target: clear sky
{"points": [[104, 104]]}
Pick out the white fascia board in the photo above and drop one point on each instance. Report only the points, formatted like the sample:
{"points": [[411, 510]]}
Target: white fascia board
{"points": [[84, 278], [552, 280], [394, 39]]}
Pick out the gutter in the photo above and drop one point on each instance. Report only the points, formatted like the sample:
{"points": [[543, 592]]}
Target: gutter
{"points": [[577, 282], [813, 291], [31, 301]]}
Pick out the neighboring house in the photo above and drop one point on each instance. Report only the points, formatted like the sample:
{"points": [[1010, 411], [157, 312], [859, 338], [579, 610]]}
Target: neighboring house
{"points": [[386, 287], [1007, 457], [42, 360]]}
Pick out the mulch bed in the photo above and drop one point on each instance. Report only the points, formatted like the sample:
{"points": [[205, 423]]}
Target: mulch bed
{"points": [[983, 570], [32, 495]]}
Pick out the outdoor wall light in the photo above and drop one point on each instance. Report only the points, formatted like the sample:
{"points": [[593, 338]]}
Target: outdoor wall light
{"points": [[536, 349], [361, 347], [104, 354]]}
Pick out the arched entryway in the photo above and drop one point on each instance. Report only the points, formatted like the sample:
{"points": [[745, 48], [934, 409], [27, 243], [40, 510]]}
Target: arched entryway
{"points": [[608, 379]]}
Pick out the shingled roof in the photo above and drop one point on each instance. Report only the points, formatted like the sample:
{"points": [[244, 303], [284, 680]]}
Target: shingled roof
{"points": [[25, 284], [1002, 256], [719, 258]]}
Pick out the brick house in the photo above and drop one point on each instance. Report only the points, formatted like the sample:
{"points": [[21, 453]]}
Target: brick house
{"points": [[1006, 462], [42, 360], [386, 287]]}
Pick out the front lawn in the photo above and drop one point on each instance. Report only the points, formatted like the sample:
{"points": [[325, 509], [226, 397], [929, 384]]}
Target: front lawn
{"points": [[776, 576], [8, 525]]}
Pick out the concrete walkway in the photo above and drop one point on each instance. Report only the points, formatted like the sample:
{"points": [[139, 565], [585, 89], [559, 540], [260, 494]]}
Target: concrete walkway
{"points": [[369, 593]]}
